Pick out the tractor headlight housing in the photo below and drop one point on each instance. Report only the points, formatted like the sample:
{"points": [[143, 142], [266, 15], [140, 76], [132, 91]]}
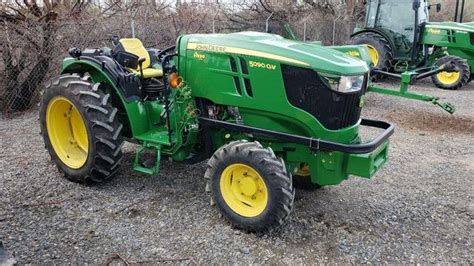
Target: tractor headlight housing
{"points": [[346, 84]]}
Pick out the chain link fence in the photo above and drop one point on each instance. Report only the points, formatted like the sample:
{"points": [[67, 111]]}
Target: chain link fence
{"points": [[34, 39], [32, 50]]}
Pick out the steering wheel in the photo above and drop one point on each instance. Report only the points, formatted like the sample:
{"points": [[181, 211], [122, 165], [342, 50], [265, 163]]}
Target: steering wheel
{"points": [[164, 52]]}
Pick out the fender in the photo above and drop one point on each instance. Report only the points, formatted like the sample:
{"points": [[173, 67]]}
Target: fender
{"points": [[124, 96]]}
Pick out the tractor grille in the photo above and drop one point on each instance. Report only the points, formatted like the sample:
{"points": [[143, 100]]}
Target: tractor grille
{"points": [[305, 90], [472, 38]]}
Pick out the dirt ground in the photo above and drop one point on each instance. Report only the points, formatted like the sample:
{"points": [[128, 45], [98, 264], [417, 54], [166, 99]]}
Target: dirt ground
{"points": [[418, 208]]}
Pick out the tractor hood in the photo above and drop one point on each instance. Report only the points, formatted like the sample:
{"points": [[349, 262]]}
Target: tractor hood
{"points": [[279, 49], [466, 27]]}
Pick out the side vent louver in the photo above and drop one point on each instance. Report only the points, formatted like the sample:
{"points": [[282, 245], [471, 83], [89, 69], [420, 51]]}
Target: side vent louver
{"points": [[243, 64], [248, 87], [233, 65]]}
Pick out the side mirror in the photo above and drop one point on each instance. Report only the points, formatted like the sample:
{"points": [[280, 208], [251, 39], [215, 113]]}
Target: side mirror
{"points": [[438, 8], [75, 52], [127, 59], [115, 40]]}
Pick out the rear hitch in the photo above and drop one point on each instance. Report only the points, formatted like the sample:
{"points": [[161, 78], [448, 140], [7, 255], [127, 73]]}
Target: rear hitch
{"points": [[448, 107], [409, 78]]}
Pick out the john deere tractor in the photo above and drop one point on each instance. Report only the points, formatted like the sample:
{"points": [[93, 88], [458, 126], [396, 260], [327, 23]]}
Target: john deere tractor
{"points": [[400, 38], [258, 106]]}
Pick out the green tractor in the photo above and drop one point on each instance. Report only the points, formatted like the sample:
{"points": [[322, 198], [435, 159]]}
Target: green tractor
{"points": [[261, 108], [400, 38], [407, 78]]}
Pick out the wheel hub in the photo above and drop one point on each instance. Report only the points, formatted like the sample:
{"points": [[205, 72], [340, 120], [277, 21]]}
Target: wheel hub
{"points": [[244, 190], [448, 77], [248, 186], [67, 132]]}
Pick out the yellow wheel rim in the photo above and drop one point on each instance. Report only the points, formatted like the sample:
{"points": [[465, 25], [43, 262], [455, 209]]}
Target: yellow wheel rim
{"points": [[448, 78], [374, 55], [303, 171], [67, 132], [244, 190]]}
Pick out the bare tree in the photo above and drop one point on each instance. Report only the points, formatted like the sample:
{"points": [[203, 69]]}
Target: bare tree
{"points": [[30, 32]]}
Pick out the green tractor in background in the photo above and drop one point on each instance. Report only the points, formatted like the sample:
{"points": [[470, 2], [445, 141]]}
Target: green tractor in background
{"points": [[407, 77], [400, 38], [261, 108]]}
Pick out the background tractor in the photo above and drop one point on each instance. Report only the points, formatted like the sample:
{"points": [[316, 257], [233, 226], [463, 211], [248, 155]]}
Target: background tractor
{"points": [[407, 77], [400, 38], [259, 106]]}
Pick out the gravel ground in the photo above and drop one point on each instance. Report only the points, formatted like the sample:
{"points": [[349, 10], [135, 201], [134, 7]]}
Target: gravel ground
{"points": [[418, 208]]}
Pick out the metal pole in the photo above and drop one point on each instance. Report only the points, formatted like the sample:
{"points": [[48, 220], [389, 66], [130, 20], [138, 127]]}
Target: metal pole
{"points": [[267, 22], [461, 17], [213, 26], [133, 28], [456, 11]]}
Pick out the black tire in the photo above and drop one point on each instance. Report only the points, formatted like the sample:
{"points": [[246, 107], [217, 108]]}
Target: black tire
{"points": [[381, 45], [461, 67], [101, 122], [272, 170]]}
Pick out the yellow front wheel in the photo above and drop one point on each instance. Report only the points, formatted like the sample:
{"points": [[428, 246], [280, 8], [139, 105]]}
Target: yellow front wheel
{"points": [[250, 186], [80, 129], [452, 80], [448, 78], [244, 190]]}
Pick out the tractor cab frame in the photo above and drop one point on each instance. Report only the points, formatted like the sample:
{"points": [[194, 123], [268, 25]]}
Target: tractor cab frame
{"points": [[403, 42]]}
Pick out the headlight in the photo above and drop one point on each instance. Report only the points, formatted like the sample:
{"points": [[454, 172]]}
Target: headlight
{"points": [[346, 84]]}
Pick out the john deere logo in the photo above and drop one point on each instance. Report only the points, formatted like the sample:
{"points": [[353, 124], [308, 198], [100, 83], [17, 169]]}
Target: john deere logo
{"points": [[210, 48], [199, 56], [434, 31], [353, 53]]}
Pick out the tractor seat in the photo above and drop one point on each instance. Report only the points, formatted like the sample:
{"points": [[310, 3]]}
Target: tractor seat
{"points": [[135, 46]]}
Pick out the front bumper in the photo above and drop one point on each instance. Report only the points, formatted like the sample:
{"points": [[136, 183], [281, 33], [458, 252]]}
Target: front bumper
{"points": [[330, 162], [313, 143], [366, 165]]}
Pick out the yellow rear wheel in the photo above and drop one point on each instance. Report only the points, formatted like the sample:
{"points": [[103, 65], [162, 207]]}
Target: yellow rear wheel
{"points": [[250, 186], [380, 50], [374, 55], [80, 129], [67, 132]]}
